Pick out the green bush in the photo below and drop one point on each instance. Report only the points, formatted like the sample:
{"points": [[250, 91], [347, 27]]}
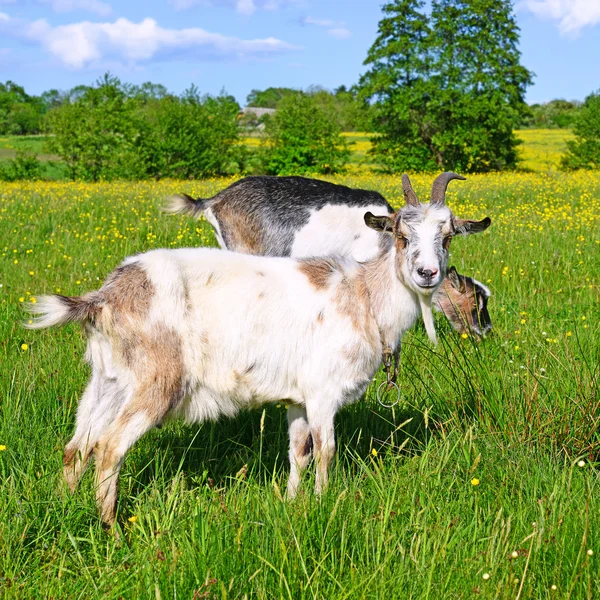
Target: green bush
{"points": [[25, 166], [112, 131], [98, 133], [303, 138], [191, 137], [584, 151]]}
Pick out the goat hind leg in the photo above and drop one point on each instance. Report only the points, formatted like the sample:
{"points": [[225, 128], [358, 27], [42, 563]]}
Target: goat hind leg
{"points": [[98, 406]]}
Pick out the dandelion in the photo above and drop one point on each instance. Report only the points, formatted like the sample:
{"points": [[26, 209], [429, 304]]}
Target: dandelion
{"points": [[32, 272], [374, 452], [474, 481], [464, 336], [2, 447], [24, 347], [132, 519], [21, 299]]}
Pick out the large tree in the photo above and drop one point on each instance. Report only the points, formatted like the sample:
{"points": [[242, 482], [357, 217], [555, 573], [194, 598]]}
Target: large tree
{"points": [[449, 86], [480, 83], [584, 151], [398, 84]]}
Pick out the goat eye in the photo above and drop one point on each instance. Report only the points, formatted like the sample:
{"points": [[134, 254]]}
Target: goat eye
{"points": [[446, 242], [402, 240]]}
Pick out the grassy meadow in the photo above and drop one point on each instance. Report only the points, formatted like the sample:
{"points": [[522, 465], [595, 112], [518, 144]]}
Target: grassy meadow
{"points": [[481, 483]]}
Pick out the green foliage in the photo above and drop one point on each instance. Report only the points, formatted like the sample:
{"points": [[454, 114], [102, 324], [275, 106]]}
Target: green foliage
{"points": [[25, 166], [113, 131], [584, 151], [270, 98], [303, 138], [559, 114], [19, 113], [97, 134], [448, 88], [191, 137]]}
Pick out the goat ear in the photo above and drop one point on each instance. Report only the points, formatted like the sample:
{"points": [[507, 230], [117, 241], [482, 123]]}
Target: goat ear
{"points": [[385, 224], [455, 279], [466, 227]]}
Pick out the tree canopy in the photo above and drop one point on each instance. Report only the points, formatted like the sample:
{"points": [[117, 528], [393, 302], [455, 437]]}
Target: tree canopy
{"points": [[448, 87]]}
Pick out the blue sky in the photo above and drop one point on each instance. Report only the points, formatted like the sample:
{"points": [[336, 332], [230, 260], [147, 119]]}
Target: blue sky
{"points": [[239, 45]]}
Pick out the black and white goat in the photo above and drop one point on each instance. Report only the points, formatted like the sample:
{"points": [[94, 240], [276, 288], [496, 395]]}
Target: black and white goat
{"points": [[300, 217], [199, 333]]}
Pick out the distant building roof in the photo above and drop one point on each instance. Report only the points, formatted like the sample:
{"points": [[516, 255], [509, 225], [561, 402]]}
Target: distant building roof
{"points": [[259, 112]]}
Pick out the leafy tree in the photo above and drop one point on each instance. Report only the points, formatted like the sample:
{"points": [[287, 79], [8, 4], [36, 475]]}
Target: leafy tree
{"points": [[584, 151], [303, 138], [97, 132], [554, 114], [398, 82], [51, 99], [479, 84], [19, 112], [269, 98], [192, 136], [351, 110], [448, 88]]}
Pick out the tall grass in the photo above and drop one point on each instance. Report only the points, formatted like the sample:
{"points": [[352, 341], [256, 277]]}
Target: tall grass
{"points": [[469, 487]]}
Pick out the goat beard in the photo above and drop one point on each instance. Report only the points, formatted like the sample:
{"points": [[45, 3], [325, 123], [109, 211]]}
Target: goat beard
{"points": [[426, 303]]}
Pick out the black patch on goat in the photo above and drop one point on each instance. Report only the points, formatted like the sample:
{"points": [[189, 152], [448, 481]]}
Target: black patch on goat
{"points": [[283, 205]]}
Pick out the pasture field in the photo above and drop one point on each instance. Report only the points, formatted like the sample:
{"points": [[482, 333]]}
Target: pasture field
{"points": [[471, 487]]}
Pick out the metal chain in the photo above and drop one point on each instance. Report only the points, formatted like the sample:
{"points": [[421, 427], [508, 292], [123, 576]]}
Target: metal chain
{"points": [[391, 375]]}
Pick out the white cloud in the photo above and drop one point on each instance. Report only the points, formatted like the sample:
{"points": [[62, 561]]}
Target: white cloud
{"points": [[335, 29], [571, 15], [244, 7], [94, 6], [83, 44]]}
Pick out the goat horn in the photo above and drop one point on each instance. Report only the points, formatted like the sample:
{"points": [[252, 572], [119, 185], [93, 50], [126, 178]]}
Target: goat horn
{"points": [[409, 194], [438, 191]]}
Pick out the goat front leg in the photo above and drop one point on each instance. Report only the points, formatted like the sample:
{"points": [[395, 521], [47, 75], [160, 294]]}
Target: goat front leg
{"points": [[300, 447], [323, 436]]}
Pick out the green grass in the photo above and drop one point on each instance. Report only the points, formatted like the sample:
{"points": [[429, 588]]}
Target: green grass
{"points": [[515, 412]]}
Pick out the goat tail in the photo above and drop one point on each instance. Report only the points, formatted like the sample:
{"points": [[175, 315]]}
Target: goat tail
{"points": [[182, 204], [59, 310]]}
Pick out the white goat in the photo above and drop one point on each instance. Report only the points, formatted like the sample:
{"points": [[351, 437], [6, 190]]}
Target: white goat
{"points": [[199, 333]]}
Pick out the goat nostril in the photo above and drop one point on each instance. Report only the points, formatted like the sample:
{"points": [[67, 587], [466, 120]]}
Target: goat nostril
{"points": [[427, 273]]}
